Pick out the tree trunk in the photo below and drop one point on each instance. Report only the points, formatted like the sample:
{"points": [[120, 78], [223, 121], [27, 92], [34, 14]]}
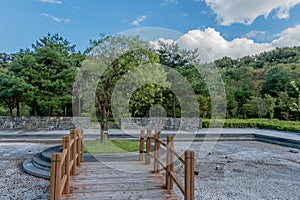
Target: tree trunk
{"points": [[104, 110], [35, 108], [104, 130], [173, 106], [79, 107], [18, 108]]}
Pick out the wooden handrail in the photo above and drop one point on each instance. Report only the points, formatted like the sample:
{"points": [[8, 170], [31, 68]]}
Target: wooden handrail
{"points": [[188, 187], [63, 164]]}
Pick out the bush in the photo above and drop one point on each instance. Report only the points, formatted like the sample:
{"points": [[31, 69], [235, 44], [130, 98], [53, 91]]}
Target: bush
{"points": [[274, 124]]}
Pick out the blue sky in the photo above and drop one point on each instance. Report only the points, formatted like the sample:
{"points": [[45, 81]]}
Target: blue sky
{"points": [[222, 27]]}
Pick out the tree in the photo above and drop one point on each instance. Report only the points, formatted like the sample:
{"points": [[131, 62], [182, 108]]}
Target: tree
{"points": [[225, 62], [296, 103], [270, 103], [59, 61], [22, 68], [277, 80], [246, 61], [115, 57], [257, 105], [5, 59], [13, 90], [240, 82], [50, 70], [284, 103], [173, 56]]}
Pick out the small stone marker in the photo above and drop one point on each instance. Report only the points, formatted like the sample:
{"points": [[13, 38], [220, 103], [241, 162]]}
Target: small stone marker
{"points": [[293, 150], [30, 152]]}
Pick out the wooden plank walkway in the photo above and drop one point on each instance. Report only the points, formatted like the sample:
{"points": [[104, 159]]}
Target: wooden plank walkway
{"points": [[117, 180]]}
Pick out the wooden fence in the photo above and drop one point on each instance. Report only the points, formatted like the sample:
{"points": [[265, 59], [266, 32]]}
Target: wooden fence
{"points": [[188, 187], [64, 164]]}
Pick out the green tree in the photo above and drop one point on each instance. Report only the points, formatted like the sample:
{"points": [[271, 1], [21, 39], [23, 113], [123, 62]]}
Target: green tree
{"points": [[270, 103], [175, 57], [14, 90], [114, 57], [296, 103], [5, 59], [225, 62], [240, 82], [59, 61], [256, 105], [284, 103], [50, 70], [277, 80], [23, 67]]}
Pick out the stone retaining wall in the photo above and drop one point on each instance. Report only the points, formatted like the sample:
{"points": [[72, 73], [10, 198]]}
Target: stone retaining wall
{"points": [[47, 123], [162, 123]]}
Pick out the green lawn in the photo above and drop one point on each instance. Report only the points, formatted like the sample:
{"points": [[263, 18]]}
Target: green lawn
{"points": [[110, 146]]}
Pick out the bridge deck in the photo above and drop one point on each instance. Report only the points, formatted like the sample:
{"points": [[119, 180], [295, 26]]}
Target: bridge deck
{"points": [[117, 180]]}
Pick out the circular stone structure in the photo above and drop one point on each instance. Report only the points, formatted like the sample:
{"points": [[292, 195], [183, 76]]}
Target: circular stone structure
{"points": [[40, 164]]}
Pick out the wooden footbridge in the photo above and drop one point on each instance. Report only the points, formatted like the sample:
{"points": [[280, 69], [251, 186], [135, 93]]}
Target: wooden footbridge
{"points": [[72, 179]]}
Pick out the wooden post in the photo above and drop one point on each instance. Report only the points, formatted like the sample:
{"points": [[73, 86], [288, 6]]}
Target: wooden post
{"points": [[55, 177], [148, 145], [61, 168], [82, 145], [73, 154], [78, 145], [170, 163], [66, 145], [142, 142], [189, 185], [157, 152]]}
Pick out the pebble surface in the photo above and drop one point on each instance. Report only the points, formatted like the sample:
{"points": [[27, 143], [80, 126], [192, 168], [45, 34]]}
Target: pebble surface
{"points": [[15, 183], [246, 170], [232, 170]]}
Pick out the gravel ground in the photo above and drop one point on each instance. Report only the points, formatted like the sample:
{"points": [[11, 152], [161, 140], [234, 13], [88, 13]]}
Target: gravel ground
{"points": [[15, 184], [233, 170], [247, 170]]}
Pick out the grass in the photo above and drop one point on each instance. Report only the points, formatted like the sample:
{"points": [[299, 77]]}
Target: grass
{"points": [[110, 146]]}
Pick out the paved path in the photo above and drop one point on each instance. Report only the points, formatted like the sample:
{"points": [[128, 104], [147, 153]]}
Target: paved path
{"points": [[118, 131], [91, 134]]}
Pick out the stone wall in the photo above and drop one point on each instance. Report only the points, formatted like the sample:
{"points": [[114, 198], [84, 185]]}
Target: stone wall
{"points": [[162, 123], [44, 123]]}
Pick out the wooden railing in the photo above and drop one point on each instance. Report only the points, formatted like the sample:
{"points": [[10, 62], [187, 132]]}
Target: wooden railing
{"points": [[64, 164], [188, 187]]}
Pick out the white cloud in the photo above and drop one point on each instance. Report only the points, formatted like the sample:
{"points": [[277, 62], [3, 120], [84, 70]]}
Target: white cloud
{"points": [[245, 11], [57, 19], [255, 33], [165, 2], [288, 37], [212, 45], [50, 1], [138, 20]]}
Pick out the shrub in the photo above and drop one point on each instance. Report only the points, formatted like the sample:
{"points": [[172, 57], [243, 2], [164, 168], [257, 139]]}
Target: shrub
{"points": [[274, 124]]}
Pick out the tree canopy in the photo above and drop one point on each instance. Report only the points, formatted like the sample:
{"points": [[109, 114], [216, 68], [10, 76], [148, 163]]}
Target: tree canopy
{"points": [[43, 80]]}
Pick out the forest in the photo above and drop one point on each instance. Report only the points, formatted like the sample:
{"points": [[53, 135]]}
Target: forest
{"points": [[40, 80]]}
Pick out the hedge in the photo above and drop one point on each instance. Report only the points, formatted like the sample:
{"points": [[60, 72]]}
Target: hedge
{"points": [[274, 124]]}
